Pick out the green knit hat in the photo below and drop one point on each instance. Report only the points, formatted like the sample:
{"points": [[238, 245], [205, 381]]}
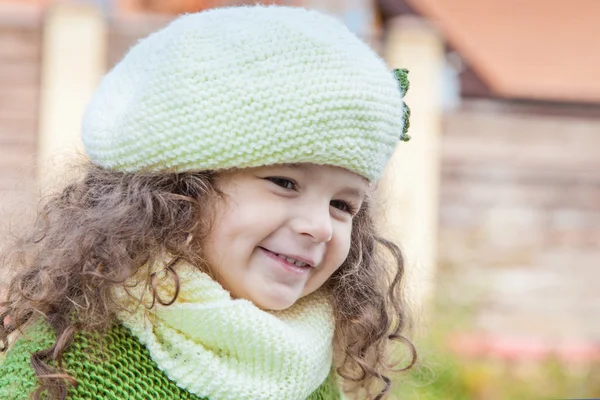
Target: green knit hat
{"points": [[247, 87]]}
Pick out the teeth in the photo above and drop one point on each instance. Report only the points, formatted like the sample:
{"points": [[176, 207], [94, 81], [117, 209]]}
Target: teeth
{"points": [[292, 261]]}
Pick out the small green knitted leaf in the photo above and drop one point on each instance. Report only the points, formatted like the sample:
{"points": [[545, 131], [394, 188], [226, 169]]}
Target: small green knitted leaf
{"points": [[401, 76], [405, 137]]}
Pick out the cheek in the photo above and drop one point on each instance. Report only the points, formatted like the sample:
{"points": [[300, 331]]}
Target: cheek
{"points": [[238, 228], [339, 250], [222, 233], [337, 253]]}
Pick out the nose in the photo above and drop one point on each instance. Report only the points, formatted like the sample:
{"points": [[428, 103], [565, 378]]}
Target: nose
{"points": [[314, 222]]}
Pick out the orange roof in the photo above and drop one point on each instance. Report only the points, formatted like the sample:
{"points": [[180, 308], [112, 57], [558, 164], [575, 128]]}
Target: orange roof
{"points": [[536, 49]]}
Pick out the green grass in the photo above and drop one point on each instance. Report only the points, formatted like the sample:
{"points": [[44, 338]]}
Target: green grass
{"points": [[440, 374], [451, 378]]}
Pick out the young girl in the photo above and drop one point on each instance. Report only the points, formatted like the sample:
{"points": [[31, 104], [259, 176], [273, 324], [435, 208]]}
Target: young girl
{"points": [[220, 244]]}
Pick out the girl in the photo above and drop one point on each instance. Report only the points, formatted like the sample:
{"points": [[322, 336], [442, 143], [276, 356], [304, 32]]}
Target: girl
{"points": [[220, 244]]}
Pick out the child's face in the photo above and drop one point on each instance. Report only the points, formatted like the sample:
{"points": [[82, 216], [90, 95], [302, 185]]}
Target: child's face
{"points": [[303, 212]]}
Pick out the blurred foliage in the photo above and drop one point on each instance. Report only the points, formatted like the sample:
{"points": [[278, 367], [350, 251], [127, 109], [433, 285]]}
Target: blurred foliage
{"points": [[440, 374], [445, 376]]}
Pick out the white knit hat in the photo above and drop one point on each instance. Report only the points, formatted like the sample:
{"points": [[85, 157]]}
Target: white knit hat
{"points": [[246, 87]]}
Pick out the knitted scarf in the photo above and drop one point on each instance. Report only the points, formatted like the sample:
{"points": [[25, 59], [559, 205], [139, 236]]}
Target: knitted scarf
{"points": [[250, 353]]}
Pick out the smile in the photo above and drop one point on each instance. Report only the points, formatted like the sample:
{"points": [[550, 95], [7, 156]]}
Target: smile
{"points": [[295, 261], [292, 260]]}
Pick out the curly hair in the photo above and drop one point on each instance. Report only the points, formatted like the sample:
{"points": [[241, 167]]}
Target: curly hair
{"points": [[108, 226]]}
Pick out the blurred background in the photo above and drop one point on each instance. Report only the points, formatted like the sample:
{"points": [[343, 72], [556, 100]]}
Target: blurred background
{"points": [[495, 200]]}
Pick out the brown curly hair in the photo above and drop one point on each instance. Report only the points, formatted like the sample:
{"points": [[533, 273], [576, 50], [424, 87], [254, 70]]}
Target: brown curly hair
{"points": [[107, 226]]}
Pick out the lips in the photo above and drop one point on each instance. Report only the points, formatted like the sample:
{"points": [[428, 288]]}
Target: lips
{"points": [[293, 260], [298, 261]]}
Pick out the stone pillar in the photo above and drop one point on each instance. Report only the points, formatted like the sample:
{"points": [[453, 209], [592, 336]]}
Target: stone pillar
{"points": [[73, 61], [410, 186]]}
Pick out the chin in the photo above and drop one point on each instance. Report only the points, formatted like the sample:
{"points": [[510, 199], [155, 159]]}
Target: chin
{"points": [[274, 301]]}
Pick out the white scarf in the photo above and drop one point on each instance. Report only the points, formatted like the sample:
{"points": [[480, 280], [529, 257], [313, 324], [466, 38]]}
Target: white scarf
{"points": [[228, 349]]}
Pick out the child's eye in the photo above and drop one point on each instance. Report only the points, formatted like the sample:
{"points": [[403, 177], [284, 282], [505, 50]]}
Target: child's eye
{"points": [[283, 182], [343, 206]]}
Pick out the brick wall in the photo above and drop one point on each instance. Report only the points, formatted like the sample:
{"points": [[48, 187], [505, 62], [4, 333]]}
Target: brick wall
{"points": [[20, 53], [125, 30], [520, 217]]}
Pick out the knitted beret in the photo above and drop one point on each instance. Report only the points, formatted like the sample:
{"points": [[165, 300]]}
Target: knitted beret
{"points": [[246, 87]]}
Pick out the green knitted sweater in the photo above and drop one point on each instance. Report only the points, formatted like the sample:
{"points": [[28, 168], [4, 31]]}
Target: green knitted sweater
{"points": [[114, 367]]}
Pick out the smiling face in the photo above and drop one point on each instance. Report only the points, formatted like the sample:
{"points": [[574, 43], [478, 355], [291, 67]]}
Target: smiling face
{"points": [[282, 230]]}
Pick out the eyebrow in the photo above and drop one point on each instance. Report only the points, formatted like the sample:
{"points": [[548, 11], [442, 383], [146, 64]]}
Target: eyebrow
{"points": [[300, 166], [296, 166], [353, 192]]}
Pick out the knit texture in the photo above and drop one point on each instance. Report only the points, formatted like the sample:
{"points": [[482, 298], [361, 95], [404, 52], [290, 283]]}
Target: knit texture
{"points": [[246, 87], [115, 366], [251, 353]]}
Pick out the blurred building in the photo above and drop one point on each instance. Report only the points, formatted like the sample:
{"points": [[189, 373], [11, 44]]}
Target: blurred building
{"points": [[520, 185], [519, 191], [521, 156]]}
